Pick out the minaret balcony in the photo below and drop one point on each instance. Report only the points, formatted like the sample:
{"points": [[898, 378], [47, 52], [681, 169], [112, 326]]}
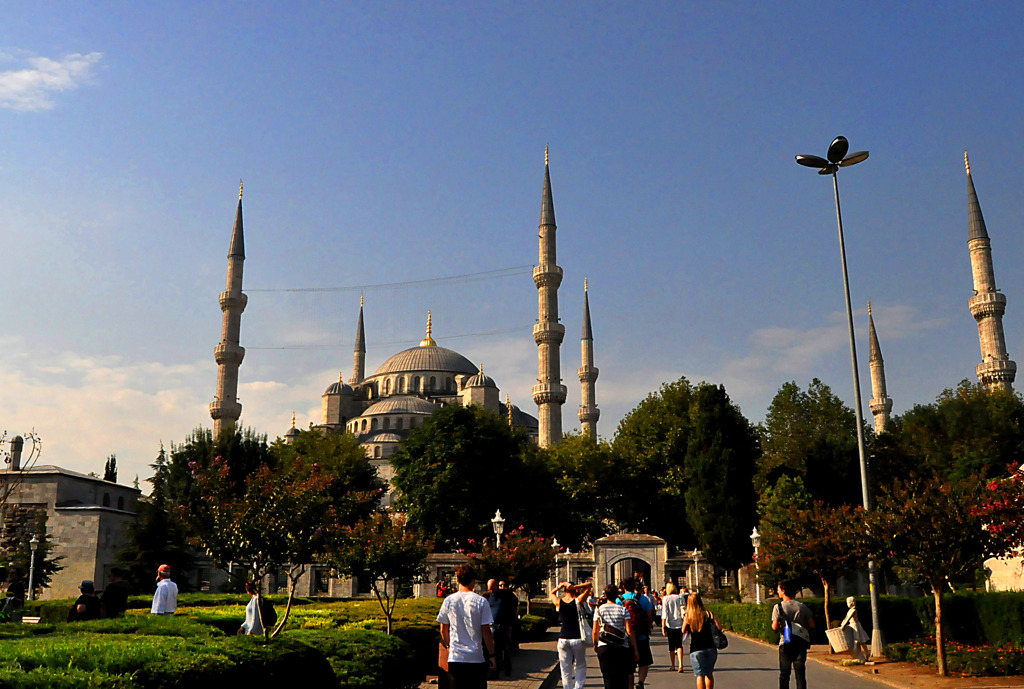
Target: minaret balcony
{"points": [[881, 406], [550, 333], [588, 414], [228, 354], [230, 301], [987, 304], [996, 370], [587, 374], [546, 393], [547, 275], [225, 410]]}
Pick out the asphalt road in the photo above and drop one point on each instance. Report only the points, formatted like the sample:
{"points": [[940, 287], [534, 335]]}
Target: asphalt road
{"points": [[744, 665]]}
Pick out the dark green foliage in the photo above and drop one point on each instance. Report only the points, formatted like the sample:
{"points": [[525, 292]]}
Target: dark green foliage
{"points": [[20, 524], [973, 661], [583, 469], [110, 469], [453, 473], [811, 435], [362, 658], [720, 460]]}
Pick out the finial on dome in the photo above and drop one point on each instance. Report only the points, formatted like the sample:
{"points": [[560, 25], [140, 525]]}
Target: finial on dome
{"points": [[508, 408], [360, 300], [869, 307], [967, 163], [545, 155], [293, 419], [584, 284], [239, 189], [428, 341], [341, 376], [481, 369]]}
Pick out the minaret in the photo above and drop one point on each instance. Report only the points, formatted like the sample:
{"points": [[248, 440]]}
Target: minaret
{"points": [[996, 371], [225, 408], [881, 404], [359, 360], [589, 413], [548, 393]]}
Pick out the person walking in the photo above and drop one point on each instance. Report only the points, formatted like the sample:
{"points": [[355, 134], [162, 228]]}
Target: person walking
{"points": [[571, 605], [614, 641], [165, 600], [672, 625], [792, 654], [641, 614], [465, 620], [703, 654], [253, 624]]}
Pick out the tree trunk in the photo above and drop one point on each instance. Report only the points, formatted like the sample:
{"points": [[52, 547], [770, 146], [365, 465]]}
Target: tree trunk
{"points": [[828, 618], [940, 643], [527, 590], [292, 581], [384, 601]]}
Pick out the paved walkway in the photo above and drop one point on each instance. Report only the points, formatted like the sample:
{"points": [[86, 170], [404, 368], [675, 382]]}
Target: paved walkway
{"points": [[746, 664]]}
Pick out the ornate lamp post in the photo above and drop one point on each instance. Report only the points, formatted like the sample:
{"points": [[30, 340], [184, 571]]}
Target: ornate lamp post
{"points": [[556, 546], [696, 571], [838, 157], [755, 540], [34, 545], [499, 527]]}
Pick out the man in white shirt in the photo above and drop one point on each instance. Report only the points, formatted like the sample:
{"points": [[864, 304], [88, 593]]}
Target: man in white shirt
{"points": [[466, 620], [165, 600]]}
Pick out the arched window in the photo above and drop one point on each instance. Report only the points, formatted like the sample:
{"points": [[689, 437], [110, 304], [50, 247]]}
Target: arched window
{"points": [[433, 382], [387, 424], [106, 499], [387, 386], [401, 385], [415, 383], [448, 385], [398, 423], [412, 422], [364, 425], [120, 503], [376, 452], [373, 424]]}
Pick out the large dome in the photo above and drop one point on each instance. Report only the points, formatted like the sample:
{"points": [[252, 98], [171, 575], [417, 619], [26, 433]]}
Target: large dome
{"points": [[427, 359]]}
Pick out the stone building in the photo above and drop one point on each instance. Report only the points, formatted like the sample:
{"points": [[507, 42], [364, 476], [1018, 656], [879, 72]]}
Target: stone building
{"points": [[86, 518]]}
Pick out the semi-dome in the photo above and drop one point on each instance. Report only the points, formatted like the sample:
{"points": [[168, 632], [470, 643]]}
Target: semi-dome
{"points": [[427, 358], [385, 437], [401, 404]]}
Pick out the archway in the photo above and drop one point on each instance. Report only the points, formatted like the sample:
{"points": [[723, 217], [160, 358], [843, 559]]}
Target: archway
{"points": [[635, 567]]}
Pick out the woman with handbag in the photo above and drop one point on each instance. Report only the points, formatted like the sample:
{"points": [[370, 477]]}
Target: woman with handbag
{"points": [[614, 641], [571, 605], [703, 651]]}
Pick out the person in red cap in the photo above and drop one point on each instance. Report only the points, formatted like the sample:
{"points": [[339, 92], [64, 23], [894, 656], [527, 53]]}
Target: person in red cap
{"points": [[165, 600]]}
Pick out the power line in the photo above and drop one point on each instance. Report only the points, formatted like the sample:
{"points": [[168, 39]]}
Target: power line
{"points": [[486, 333], [467, 277]]}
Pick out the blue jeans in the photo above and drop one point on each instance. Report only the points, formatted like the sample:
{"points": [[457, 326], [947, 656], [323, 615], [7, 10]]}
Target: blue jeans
{"points": [[703, 662]]}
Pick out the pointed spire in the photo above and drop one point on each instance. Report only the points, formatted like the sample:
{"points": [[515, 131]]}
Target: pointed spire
{"points": [[508, 408], [428, 341], [975, 220], [547, 203], [588, 332], [360, 334], [237, 249], [293, 419], [875, 350]]}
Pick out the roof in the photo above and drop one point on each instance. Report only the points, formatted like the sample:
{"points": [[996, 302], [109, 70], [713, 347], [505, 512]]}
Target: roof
{"points": [[520, 419], [44, 469], [401, 404], [427, 359], [480, 380], [384, 437], [338, 387]]}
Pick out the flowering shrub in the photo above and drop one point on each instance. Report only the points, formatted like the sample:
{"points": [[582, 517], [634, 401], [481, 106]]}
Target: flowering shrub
{"points": [[970, 660]]}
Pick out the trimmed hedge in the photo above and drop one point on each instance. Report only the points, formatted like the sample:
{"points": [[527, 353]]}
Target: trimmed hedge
{"points": [[362, 658]]}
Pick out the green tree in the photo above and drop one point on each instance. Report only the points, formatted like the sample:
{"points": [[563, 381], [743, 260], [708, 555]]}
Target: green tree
{"points": [[157, 536], [721, 456], [776, 563], [583, 470], [462, 465], [932, 530], [380, 548], [110, 469], [811, 434], [20, 524], [522, 561], [651, 444]]}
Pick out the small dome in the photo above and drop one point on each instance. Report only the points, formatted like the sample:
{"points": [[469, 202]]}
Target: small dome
{"points": [[401, 404], [338, 388], [291, 432], [480, 380], [427, 359], [385, 437]]}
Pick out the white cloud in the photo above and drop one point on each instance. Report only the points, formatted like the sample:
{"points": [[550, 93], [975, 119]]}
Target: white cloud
{"points": [[31, 88]]}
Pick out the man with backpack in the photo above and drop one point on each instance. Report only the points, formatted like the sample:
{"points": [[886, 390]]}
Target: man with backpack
{"points": [[793, 620], [641, 616]]}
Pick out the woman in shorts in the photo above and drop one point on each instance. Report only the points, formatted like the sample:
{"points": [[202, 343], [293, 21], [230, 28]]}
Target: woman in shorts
{"points": [[672, 607], [703, 653]]}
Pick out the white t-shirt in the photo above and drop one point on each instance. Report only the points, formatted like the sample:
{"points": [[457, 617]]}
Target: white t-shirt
{"points": [[165, 600], [672, 611], [465, 612]]}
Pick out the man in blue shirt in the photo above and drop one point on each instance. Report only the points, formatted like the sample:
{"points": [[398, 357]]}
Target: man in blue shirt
{"points": [[642, 624]]}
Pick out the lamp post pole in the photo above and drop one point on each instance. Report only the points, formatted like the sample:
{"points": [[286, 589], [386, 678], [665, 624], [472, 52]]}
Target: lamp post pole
{"points": [[499, 527], [34, 545], [755, 539], [555, 545], [837, 158], [696, 571]]}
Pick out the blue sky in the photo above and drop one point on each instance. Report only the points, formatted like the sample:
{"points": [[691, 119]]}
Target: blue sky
{"points": [[392, 142]]}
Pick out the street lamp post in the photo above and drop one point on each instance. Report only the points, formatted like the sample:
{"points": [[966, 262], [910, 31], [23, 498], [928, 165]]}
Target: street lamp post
{"points": [[696, 571], [755, 539], [499, 527], [34, 546], [838, 157], [555, 545]]}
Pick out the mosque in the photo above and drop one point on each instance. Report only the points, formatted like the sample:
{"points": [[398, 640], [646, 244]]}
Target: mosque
{"points": [[382, 408]]}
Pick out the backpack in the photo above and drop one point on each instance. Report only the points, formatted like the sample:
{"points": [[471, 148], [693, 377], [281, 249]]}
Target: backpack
{"points": [[637, 616]]}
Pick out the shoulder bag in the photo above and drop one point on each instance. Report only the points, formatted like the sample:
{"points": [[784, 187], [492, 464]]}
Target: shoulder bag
{"points": [[718, 637]]}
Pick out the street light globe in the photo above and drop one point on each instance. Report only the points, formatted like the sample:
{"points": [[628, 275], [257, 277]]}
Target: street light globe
{"points": [[755, 538], [498, 523], [34, 543]]}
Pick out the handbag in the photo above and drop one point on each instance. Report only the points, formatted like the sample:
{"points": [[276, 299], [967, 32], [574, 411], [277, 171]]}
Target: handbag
{"points": [[718, 637], [585, 629]]}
